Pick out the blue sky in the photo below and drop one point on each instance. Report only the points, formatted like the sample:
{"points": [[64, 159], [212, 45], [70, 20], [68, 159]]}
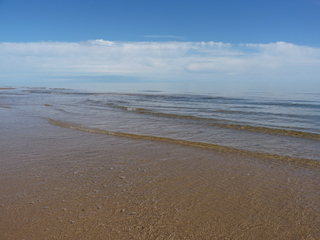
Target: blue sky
{"points": [[227, 44]]}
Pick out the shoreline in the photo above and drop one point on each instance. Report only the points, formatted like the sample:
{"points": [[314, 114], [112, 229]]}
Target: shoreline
{"points": [[216, 147], [60, 183]]}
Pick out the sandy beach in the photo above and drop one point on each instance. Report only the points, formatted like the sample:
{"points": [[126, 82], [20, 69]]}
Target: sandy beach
{"points": [[59, 183]]}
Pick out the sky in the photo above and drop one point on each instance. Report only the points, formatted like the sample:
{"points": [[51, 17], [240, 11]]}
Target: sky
{"points": [[182, 45]]}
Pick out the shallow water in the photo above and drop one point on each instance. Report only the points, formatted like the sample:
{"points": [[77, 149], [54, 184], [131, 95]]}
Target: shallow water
{"points": [[285, 125]]}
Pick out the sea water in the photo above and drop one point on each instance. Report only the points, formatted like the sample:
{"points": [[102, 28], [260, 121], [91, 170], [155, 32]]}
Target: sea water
{"points": [[259, 122]]}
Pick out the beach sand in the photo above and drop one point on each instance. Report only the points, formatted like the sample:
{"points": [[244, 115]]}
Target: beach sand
{"points": [[58, 183]]}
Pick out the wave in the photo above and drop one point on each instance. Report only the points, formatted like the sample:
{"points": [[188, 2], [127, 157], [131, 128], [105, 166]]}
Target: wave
{"points": [[287, 104], [180, 97], [252, 113], [224, 123], [2, 106], [186, 98], [227, 100], [300, 161]]}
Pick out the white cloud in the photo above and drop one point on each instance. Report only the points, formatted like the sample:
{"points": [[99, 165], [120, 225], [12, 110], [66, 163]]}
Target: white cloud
{"points": [[163, 36], [159, 60]]}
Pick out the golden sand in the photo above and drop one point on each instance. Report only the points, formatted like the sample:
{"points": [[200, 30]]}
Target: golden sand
{"points": [[58, 183]]}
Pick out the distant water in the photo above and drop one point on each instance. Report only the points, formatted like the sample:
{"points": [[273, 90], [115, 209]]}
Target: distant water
{"points": [[281, 124]]}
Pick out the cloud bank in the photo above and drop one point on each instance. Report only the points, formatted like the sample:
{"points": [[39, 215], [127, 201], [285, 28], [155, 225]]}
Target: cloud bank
{"points": [[158, 61]]}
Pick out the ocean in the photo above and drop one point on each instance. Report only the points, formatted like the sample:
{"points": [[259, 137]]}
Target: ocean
{"points": [[275, 124]]}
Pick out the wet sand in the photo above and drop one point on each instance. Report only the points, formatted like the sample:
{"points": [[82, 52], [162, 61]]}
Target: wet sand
{"points": [[58, 183]]}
